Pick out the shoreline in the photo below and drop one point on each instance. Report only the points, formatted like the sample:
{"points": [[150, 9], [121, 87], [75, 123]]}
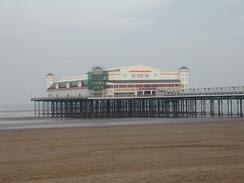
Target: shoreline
{"points": [[21, 123]]}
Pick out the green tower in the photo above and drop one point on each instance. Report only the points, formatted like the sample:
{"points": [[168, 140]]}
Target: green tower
{"points": [[97, 79]]}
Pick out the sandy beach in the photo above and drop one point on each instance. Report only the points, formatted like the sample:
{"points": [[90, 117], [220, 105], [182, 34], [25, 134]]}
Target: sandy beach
{"points": [[190, 152]]}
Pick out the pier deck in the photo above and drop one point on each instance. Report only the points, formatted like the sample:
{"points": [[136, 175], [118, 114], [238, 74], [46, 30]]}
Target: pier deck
{"points": [[184, 105]]}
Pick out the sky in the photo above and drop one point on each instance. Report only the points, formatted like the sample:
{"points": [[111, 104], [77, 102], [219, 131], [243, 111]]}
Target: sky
{"points": [[67, 37]]}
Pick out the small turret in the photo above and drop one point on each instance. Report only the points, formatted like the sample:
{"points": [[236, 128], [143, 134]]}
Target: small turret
{"points": [[51, 78], [183, 76]]}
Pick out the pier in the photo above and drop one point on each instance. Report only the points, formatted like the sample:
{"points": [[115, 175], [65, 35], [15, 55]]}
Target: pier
{"points": [[190, 103]]}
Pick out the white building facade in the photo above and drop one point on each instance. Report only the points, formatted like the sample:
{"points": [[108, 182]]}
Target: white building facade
{"points": [[123, 81]]}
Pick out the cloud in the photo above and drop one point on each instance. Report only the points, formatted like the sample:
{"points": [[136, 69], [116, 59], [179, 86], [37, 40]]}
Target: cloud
{"points": [[120, 15], [114, 15]]}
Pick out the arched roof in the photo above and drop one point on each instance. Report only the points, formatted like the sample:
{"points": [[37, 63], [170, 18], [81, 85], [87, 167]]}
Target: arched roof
{"points": [[184, 68], [50, 74]]}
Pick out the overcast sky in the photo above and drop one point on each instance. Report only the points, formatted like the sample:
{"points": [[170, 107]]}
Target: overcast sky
{"points": [[67, 37]]}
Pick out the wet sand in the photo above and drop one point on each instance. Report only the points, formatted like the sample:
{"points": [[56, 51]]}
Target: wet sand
{"points": [[191, 152]]}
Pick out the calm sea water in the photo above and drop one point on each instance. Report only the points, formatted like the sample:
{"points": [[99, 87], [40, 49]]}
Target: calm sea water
{"points": [[22, 117], [13, 111]]}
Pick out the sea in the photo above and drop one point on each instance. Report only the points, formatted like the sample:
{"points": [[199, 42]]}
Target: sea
{"points": [[13, 117], [16, 110]]}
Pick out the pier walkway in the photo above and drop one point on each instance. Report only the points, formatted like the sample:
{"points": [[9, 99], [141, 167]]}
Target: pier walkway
{"points": [[203, 102]]}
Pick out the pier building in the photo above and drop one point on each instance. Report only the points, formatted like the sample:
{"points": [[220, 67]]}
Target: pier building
{"points": [[138, 91], [122, 81]]}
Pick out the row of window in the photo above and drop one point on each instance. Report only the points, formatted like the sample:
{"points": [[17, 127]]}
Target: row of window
{"points": [[99, 86], [145, 86]]}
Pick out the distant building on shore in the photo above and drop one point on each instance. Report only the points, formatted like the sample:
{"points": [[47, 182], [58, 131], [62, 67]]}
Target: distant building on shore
{"points": [[123, 81]]}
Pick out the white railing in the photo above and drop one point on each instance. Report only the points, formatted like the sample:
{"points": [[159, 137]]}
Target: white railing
{"points": [[213, 91], [239, 90]]}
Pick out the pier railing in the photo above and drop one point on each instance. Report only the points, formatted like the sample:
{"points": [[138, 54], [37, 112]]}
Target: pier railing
{"points": [[194, 91], [217, 91], [213, 91]]}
